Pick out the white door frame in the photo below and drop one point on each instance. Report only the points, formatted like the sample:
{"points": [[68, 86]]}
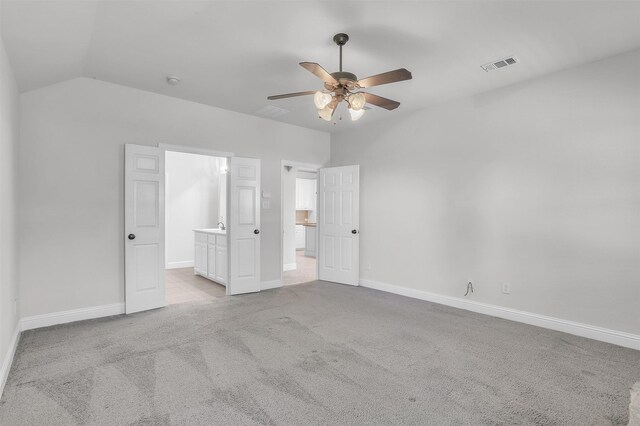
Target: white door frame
{"points": [[308, 167], [200, 151], [193, 150]]}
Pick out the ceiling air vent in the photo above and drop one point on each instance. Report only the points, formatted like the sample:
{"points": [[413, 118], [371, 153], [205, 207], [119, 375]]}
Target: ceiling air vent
{"points": [[271, 111], [500, 63]]}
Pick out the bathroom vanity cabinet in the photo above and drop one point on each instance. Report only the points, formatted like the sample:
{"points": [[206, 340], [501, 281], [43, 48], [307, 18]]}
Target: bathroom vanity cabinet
{"points": [[211, 254]]}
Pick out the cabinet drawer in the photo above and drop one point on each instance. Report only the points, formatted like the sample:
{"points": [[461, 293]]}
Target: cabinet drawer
{"points": [[221, 240], [200, 237], [211, 238]]}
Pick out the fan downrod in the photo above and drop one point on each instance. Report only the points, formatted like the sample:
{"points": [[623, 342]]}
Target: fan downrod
{"points": [[341, 39]]}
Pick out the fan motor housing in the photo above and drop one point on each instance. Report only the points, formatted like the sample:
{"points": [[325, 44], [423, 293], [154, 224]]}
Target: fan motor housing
{"points": [[345, 79], [343, 75]]}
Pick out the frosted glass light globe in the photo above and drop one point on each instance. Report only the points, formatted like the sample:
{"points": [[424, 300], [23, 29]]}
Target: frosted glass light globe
{"points": [[321, 99], [356, 114], [357, 101], [326, 113]]}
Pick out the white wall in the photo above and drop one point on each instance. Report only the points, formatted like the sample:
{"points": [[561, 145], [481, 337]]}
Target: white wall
{"points": [[191, 200], [536, 184], [9, 131], [71, 181]]}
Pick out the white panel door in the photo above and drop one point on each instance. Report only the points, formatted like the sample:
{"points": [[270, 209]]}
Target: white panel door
{"points": [[144, 228], [244, 226], [338, 225]]}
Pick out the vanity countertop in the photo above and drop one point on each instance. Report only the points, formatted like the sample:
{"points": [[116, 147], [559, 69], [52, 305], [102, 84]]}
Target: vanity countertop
{"points": [[216, 231], [312, 224]]}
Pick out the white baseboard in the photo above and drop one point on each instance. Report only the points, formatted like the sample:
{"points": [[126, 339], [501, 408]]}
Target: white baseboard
{"points": [[620, 338], [63, 317], [266, 285], [177, 265], [290, 266], [8, 357]]}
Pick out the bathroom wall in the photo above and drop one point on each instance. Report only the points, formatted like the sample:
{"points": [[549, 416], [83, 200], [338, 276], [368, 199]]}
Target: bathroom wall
{"points": [[192, 201]]}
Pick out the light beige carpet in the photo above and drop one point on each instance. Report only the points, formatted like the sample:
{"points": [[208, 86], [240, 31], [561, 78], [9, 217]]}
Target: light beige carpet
{"points": [[319, 354]]}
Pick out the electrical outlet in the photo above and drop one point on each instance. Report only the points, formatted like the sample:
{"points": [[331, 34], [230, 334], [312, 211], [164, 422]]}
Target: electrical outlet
{"points": [[367, 266], [506, 288]]}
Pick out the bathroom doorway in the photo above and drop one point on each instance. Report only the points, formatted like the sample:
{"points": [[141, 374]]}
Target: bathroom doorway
{"points": [[195, 226], [230, 257]]}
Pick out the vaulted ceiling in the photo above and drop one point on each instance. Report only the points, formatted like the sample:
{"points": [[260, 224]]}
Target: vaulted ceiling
{"points": [[233, 54]]}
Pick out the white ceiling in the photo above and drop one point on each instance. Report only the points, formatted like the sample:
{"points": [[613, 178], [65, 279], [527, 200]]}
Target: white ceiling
{"points": [[233, 54]]}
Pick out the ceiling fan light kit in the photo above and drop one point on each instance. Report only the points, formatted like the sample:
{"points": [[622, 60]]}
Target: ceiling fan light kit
{"points": [[356, 114], [342, 86], [357, 101], [326, 113], [322, 99]]}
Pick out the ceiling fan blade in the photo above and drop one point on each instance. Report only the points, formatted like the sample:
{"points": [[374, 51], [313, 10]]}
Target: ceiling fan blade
{"points": [[290, 95], [381, 102], [400, 74], [319, 72]]}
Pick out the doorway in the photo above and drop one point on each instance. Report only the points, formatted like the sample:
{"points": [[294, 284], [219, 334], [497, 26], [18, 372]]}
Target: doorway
{"points": [[299, 225], [229, 256], [195, 212]]}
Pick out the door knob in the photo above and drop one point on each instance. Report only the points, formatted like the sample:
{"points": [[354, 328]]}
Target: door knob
{"points": [[132, 237], [353, 231], [257, 231]]}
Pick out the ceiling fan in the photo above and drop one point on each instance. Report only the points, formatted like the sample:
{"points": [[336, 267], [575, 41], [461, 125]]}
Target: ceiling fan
{"points": [[343, 86]]}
